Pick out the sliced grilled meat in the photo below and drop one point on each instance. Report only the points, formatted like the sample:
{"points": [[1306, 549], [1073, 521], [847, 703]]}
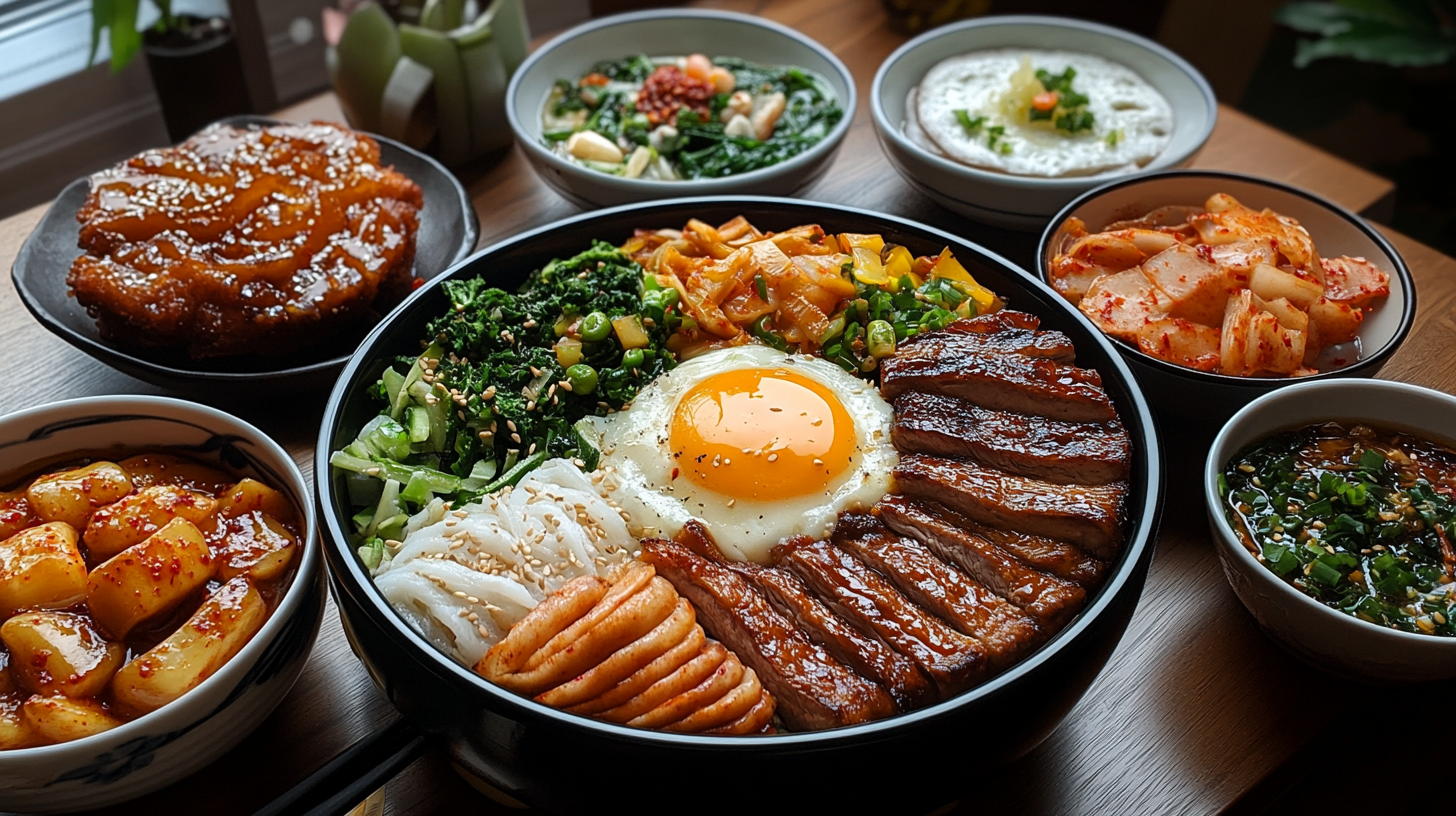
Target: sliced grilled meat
{"points": [[1003, 339], [1086, 515], [1035, 446], [1051, 601], [1065, 561], [955, 662], [1002, 382], [1004, 630], [865, 654], [813, 689]]}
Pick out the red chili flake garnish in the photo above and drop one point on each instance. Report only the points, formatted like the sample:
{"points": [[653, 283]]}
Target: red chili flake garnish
{"points": [[417, 283], [668, 90]]}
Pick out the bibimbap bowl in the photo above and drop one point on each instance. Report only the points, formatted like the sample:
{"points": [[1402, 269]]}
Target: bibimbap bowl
{"points": [[565, 763]]}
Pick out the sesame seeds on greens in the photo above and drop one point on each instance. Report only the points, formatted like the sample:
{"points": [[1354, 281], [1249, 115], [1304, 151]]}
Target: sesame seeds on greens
{"points": [[501, 385]]}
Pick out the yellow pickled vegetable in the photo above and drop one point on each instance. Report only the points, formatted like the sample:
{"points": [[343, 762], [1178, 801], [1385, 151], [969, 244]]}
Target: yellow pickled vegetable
{"points": [[898, 265], [848, 240], [867, 267], [946, 266]]}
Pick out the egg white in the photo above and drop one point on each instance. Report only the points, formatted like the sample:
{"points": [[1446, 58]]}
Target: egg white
{"points": [[635, 442]]}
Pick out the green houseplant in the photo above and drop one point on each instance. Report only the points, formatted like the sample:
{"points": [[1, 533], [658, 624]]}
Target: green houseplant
{"points": [[1399, 33], [194, 61]]}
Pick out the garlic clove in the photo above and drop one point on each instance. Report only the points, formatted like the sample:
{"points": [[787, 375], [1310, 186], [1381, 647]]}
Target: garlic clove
{"points": [[641, 157], [593, 146], [739, 127]]}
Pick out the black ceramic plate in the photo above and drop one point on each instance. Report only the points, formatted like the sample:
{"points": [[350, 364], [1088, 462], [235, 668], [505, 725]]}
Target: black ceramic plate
{"points": [[569, 764], [448, 231]]}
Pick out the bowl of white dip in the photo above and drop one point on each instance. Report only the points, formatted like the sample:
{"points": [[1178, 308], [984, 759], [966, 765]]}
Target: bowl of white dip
{"points": [[986, 118]]}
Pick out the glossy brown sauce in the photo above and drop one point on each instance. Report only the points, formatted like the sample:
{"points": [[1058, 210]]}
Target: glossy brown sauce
{"points": [[245, 240]]}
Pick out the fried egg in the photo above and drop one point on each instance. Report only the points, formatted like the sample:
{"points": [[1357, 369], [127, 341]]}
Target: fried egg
{"points": [[757, 444]]}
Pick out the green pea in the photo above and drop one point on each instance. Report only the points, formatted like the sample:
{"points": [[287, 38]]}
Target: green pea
{"points": [[651, 300], [595, 327], [880, 339], [632, 358], [583, 378], [669, 297]]}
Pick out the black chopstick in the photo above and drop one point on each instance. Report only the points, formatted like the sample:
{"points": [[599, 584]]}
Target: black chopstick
{"points": [[349, 778]]}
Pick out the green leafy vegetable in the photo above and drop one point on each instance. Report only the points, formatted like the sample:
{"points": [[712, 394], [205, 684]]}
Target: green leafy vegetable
{"points": [[491, 394], [971, 125], [702, 148], [1070, 114]]}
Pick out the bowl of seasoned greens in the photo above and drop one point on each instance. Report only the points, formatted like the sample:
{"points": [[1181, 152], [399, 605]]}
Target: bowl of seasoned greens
{"points": [[664, 104], [1331, 505]]}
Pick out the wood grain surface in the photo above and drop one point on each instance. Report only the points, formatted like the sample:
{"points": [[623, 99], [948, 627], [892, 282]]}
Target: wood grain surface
{"points": [[1184, 720]]}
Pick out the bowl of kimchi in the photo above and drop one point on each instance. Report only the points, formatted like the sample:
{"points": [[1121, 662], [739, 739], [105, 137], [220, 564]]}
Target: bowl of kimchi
{"points": [[1219, 288]]}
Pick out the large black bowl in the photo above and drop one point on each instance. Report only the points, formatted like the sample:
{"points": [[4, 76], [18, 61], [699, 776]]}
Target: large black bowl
{"points": [[570, 764], [448, 232]]}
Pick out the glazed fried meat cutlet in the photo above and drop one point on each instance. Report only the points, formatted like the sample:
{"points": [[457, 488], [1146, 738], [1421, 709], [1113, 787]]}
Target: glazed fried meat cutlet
{"points": [[246, 240]]}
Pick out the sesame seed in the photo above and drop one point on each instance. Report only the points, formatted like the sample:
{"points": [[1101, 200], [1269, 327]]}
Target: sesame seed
{"points": [[773, 457]]}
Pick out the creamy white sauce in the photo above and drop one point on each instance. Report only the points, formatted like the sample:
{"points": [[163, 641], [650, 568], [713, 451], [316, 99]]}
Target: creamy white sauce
{"points": [[1119, 100]]}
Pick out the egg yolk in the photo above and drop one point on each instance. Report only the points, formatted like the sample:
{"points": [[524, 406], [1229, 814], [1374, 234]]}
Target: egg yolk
{"points": [[761, 434]]}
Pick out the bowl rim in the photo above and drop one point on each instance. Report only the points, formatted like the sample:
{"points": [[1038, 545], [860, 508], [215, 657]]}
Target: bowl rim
{"points": [[892, 131], [1226, 540], [209, 418], [540, 156], [1144, 528], [1371, 362], [126, 359]]}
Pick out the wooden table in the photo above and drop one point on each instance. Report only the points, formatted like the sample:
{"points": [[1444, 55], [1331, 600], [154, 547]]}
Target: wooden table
{"points": [[1184, 719]]}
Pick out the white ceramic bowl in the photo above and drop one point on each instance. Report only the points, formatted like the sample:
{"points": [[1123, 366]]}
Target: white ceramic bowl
{"points": [[172, 742], [672, 32], [1023, 202], [1210, 397], [1324, 637]]}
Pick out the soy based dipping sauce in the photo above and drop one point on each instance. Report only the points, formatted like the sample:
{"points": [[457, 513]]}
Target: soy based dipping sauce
{"points": [[1361, 519]]}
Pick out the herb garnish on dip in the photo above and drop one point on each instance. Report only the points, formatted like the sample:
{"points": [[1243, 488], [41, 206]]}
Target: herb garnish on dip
{"points": [[1039, 113]]}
